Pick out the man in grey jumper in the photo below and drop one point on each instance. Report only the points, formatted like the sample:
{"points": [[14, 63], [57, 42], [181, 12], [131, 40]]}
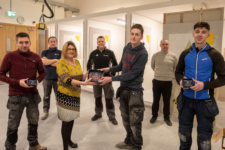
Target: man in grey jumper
{"points": [[132, 108], [163, 64]]}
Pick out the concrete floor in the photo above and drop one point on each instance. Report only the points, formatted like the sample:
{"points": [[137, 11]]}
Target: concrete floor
{"points": [[99, 135]]}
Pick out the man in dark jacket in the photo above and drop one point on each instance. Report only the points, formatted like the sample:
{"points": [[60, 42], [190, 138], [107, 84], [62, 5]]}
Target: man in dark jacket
{"points": [[101, 58], [22, 65], [132, 108], [49, 58], [199, 63]]}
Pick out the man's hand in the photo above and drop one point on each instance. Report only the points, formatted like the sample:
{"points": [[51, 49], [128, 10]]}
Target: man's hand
{"points": [[104, 70], [23, 83], [198, 85], [105, 80]]}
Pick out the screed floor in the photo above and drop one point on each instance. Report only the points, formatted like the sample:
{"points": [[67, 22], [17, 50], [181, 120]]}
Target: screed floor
{"points": [[101, 134]]}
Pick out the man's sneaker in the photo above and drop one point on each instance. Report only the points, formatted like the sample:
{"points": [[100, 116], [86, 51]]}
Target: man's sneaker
{"points": [[123, 145], [37, 147], [153, 119], [168, 122], [44, 116], [96, 117], [114, 121]]}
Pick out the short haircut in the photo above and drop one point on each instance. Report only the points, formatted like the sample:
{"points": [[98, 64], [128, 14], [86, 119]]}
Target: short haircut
{"points": [[101, 37], [52, 37], [65, 47], [138, 26], [22, 35], [202, 25]]}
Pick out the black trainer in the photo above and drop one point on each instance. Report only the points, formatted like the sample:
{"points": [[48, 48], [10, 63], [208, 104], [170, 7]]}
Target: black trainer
{"points": [[96, 117], [114, 121], [153, 119], [168, 122]]}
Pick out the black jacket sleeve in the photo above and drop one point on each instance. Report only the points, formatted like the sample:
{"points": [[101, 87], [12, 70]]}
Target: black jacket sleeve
{"points": [[179, 73], [218, 68], [90, 62]]}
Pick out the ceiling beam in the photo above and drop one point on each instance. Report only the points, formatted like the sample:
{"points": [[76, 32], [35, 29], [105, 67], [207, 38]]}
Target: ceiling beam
{"points": [[66, 7]]}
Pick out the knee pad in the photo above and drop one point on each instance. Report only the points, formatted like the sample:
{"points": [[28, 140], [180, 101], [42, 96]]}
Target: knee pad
{"points": [[185, 135]]}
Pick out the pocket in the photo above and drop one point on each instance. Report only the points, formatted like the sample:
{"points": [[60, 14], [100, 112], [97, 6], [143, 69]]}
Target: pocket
{"points": [[37, 98], [180, 101], [210, 108], [137, 114], [14, 102]]}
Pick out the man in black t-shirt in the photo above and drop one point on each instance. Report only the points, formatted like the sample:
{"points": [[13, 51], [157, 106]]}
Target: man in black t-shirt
{"points": [[102, 58]]}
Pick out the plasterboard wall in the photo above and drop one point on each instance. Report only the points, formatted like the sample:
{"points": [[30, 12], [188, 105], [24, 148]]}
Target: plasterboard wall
{"points": [[72, 28], [216, 27], [28, 9], [156, 33]]}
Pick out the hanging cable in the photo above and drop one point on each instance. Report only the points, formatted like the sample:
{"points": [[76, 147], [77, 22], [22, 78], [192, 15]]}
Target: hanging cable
{"points": [[41, 24]]}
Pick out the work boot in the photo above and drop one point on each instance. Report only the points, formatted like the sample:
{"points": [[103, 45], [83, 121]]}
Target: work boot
{"points": [[37, 147], [168, 122], [114, 121], [153, 119], [44, 116], [96, 117], [123, 145]]}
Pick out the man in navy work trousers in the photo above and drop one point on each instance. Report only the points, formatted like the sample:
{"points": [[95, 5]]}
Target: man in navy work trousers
{"points": [[49, 58], [132, 108], [200, 63]]}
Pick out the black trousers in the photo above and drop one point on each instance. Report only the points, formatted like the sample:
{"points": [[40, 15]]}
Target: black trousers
{"points": [[164, 88]]}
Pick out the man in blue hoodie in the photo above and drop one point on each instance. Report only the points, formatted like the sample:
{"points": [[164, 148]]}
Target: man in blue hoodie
{"points": [[200, 63], [49, 58], [132, 108]]}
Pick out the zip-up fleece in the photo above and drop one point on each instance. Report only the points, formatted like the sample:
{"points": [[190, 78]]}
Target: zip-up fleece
{"points": [[21, 66], [201, 66], [132, 64]]}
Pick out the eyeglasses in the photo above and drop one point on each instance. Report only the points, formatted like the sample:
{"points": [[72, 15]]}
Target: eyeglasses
{"points": [[71, 49]]}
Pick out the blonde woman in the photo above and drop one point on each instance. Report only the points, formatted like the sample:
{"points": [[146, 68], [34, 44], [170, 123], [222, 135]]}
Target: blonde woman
{"points": [[68, 92]]}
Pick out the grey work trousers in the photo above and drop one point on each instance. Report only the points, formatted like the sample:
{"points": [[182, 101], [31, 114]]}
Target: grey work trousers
{"points": [[132, 112], [48, 85], [109, 93], [16, 105]]}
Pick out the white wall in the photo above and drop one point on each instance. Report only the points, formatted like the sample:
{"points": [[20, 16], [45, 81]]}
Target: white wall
{"points": [[156, 34], [73, 28], [28, 9], [94, 6]]}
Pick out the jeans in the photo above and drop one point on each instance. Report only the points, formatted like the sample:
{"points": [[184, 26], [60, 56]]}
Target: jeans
{"points": [[109, 93], [48, 85], [132, 112], [16, 105], [187, 109], [164, 88]]}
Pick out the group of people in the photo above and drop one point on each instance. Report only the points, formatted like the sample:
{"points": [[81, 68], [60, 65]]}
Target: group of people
{"points": [[60, 71]]}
